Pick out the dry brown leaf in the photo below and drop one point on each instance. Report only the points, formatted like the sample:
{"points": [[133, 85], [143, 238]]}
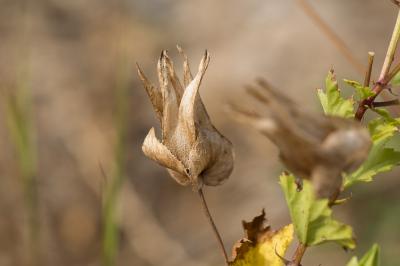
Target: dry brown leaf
{"points": [[261, 246], [191, 148], [312, 145]]}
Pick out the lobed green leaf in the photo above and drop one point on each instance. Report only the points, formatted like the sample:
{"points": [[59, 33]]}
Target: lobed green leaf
{"points": [[396, 80], [362, 92], [312, 218], [371, 258], [331, 100], [382, 157]]}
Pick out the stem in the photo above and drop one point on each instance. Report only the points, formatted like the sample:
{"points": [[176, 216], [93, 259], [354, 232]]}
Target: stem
{"points": [[387, 103], [391, 49], [110, 236], [367, 79], [385, 76], [214, 227], [393, 73], [331, 35], [298, 254]]}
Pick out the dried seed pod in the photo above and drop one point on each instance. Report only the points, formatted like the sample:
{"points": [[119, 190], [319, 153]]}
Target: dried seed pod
{"points": [[191, 148], [312, 146]]}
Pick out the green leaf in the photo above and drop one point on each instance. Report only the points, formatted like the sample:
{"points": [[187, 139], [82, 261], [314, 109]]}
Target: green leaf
{"points": [[331, 100], [362, 92], [312, 218], [382, 157], [371, 258], [385, 115]]}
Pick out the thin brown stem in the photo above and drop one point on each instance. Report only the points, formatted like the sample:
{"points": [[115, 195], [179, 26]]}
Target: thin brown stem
{"points": [[214, 227], [367, 79], [386, 103], [331, 35]]}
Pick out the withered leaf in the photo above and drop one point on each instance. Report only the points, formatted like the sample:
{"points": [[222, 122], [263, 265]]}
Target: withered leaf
{"points": [[262, 246]]}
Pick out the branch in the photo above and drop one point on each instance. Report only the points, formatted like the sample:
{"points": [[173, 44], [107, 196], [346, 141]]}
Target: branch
{"points": [[391, 49], [337, 41], [331, 35], [386, 103], [393, 73], [385, 76], [367, 79]]}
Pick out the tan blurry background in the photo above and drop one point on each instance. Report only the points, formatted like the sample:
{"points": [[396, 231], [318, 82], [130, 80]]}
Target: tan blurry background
{"points": [[74, 57]]}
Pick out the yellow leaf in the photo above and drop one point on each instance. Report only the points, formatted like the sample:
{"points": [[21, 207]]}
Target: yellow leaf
{"points": [[263, 246]]}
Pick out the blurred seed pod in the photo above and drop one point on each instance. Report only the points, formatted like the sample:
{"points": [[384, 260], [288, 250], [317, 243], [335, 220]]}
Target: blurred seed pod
{"points": [[312, 145]]}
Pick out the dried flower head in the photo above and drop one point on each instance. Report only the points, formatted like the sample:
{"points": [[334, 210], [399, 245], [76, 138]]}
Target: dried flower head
{"points": [[312, 146], [192, 150]]}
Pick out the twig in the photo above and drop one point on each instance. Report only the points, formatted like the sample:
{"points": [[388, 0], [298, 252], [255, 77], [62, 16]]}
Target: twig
{"points": [[367, 79], [386, 103], [391, 49], [214, 227], [331, 35], [393, 73], [385, 75]]}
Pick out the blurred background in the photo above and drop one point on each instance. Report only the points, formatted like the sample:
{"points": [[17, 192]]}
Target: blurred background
{"points": [[75, 188]]}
